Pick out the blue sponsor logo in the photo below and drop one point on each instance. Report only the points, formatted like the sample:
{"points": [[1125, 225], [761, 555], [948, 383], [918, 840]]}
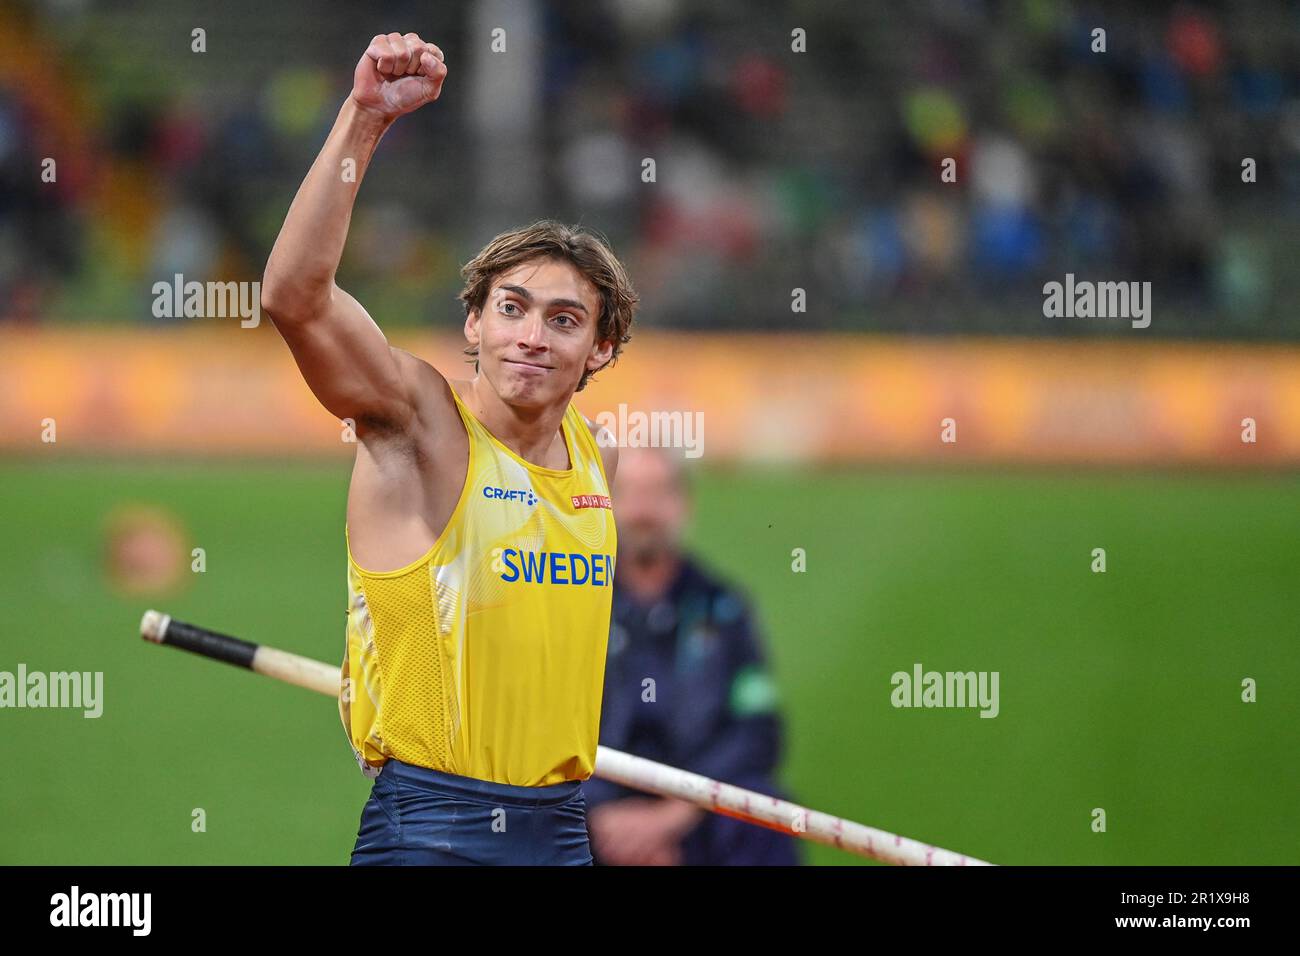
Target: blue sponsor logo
{"points": [[510, 494], [557, 567]]}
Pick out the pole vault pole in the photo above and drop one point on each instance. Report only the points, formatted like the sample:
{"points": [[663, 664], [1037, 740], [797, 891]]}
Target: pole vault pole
{"points": [[612, 765]]}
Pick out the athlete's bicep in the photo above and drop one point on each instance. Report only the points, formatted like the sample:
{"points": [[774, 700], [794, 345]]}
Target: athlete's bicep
{"points": [[348, 364]]}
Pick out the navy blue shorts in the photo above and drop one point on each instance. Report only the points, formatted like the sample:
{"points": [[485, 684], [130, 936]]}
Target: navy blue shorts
{"points": [[422, 817]]}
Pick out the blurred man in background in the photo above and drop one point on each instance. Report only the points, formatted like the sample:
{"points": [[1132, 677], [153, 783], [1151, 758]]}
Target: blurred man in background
{"points": [[686, 683]]}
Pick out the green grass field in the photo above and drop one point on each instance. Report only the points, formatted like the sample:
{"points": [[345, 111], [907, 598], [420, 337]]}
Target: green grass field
{"points": [[1119, 690]]}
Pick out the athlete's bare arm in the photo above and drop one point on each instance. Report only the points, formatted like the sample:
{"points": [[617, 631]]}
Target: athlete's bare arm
{"points": [[344, 357], [412, 452], [411, 457]]}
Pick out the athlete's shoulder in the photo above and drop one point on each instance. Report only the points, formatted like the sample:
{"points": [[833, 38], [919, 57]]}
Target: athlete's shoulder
{"points": [[436, 418], [424, 382], [607, 445], [604, 437]]}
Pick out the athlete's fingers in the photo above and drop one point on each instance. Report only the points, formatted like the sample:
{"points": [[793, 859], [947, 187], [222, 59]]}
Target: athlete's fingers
{"points": [[413, 51], [416, 47], [381, 51], [401, 53], [429, 65], [417, 44], [394, 58]]}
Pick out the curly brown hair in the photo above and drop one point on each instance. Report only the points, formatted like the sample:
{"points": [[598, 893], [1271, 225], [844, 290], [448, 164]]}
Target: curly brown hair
{"points": [[587, 251]]}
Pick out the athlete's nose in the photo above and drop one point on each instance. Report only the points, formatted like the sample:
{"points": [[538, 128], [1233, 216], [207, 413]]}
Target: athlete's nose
{"points": [[532, 333]]}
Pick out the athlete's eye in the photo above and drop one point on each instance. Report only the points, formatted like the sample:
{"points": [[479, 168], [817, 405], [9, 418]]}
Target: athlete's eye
{"points": [[511, 305], [566, 315]]}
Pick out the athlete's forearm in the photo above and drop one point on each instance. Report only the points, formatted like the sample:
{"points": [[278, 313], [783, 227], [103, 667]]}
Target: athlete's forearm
{"points": [[299, 275]]}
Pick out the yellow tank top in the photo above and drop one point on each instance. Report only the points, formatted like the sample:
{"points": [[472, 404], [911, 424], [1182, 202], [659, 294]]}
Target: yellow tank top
{"points": [[486, 657]]}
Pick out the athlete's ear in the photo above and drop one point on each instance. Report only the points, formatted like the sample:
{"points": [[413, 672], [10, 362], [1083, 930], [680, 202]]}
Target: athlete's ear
{"points": [[471, 326], [600, 354]]}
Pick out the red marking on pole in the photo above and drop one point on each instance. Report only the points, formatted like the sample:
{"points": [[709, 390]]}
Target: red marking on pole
{"points": [[748, 818]]}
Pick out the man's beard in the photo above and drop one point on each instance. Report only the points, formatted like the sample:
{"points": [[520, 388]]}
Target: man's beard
{"points": [[646, 549]]}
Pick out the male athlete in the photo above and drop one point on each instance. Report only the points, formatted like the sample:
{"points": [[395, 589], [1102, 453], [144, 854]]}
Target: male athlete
{"points": [[480, 534]]}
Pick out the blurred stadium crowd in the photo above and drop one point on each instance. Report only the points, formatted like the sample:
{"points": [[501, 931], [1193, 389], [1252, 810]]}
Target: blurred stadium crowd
{"points": [[775, 169]]}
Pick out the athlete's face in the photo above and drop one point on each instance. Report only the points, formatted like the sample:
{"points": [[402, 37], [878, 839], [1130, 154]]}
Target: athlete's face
{"points": [[536, 333]]}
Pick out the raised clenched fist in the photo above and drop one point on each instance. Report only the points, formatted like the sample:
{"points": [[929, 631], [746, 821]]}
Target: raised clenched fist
{"points": [[398, 73]]}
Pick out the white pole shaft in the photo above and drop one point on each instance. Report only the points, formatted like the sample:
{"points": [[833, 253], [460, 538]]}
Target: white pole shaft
{"points": [[649, 776], [732, 801]]}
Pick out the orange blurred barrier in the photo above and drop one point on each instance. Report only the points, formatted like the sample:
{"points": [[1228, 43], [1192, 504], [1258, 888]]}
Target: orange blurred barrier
{"points": [[793, 398]]}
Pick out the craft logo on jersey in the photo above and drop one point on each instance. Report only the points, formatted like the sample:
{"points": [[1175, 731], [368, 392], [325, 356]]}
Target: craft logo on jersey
{"points": [[510, 494], [592, 501]]}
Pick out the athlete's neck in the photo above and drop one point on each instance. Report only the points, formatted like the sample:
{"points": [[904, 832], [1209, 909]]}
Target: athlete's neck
{"points": [[534, 435]]}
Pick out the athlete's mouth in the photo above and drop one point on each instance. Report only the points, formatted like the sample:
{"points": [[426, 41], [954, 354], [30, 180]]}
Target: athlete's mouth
{"points": [[532, 365]]}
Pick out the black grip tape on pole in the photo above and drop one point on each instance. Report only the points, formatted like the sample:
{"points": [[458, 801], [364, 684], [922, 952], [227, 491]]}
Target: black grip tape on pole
{"points": [[221, 647]]}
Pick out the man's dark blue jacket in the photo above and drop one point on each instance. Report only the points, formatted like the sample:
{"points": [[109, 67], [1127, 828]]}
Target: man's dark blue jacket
{"points": [[686, 684]]}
